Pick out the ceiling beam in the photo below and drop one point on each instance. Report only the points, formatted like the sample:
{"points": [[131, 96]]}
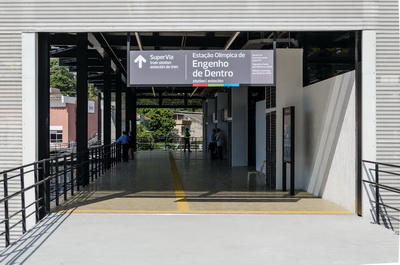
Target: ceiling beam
{"points": [[100, 37], [231, 40]]}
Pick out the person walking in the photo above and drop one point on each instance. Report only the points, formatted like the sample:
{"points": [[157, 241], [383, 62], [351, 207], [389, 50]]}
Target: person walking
{"points": [[124, 141], [213, 144], [186, 137], [220, 143]]}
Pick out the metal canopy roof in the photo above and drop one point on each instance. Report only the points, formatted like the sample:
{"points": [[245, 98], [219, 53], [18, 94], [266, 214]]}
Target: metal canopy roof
{"points": [[63, 46]]}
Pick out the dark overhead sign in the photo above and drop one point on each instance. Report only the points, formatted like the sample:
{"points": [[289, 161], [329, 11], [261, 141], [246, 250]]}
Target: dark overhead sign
{"points": [[202, 68]]}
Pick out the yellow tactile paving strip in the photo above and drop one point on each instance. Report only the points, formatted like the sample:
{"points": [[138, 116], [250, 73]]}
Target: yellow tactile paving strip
{"points": [[180, 194], [178, 201]]}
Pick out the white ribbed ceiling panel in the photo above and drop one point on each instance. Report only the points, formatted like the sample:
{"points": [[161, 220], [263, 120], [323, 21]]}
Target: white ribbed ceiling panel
{"points": [[180, 15]]}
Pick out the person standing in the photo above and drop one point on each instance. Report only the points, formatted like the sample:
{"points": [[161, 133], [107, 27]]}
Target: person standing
{"points": [[220, 143], [213, 144], [124, 141], [186, 137]]}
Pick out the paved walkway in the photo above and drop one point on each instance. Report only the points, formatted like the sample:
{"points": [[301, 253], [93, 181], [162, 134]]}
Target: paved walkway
{"points": [[160, 209], [178, 182]]}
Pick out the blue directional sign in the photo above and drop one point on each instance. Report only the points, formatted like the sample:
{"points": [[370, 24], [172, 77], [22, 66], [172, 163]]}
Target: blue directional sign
{"points": [[202, 68]]}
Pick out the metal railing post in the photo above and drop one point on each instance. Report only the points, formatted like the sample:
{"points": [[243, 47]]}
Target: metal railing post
{"points": [[35, 173], [6, 213], [46, 195], [23, 212], [103, 159], [112, 155], [91, 164], [78, 171], [57, 184], [377, 206], [97, 162], [98, 158], [72, 174], [65, 178]]}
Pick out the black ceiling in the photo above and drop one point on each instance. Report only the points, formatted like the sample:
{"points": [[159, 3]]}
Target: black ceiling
{"points": [[63, 46]]}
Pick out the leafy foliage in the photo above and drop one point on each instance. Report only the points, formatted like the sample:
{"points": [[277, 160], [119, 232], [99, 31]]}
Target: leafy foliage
{"points": [[92, 91], [141, 132], [61, 78], [161, 122]]}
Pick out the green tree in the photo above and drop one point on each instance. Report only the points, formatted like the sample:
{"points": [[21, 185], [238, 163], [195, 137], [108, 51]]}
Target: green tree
{"points": [[92, 91], [161, 122], [141, 132], [61, 78]]}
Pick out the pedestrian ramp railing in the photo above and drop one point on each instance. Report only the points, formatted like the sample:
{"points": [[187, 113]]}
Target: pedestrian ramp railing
{"points": [[168, 144], [382, 186], [29, 192]]}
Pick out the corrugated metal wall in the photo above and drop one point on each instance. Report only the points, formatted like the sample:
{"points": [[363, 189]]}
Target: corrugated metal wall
{"points": [[10, 99], [159, 15], [162, 15], [388, 83], [388, 103], [192, 15]]}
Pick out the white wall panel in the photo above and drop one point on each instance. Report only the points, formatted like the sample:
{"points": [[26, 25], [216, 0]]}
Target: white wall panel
{"points": [[289, 81], [104, 15], [10, 100], [388, 99]]}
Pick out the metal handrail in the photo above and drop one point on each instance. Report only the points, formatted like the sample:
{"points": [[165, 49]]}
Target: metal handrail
{"points": [[53, 178], [168, 143], [381, 164], [378, 186]]}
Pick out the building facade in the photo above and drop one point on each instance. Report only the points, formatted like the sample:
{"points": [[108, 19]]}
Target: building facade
{"points": [[191, 120], [63, 118], [375, 107]]}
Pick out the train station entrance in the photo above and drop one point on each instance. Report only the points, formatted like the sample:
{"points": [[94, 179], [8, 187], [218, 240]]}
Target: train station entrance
{"points": [[242, 82]]}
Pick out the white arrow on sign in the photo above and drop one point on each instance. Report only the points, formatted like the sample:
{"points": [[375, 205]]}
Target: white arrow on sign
{"points": [[140, 59]]}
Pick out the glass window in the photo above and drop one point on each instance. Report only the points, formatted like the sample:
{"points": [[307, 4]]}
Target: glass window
{"points": [[56, 136]]}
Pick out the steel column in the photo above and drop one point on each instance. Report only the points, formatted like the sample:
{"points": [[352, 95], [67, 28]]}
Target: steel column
{"points": [[82, 108], [377, 195], [134, 111], [43, 110], [358, 86], [107, 107], [128, 110], [100, 118], [118, 104]]}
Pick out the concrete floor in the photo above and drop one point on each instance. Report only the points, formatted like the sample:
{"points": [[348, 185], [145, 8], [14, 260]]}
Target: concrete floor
{"points": [[189, 210], [162, 182]]}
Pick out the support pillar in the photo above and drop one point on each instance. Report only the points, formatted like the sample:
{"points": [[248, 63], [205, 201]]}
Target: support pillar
{"points": [[134, 110], [128, 106], [44, 96], [100, 118], [118, 104], [107, 106], [44, 116], [82, 108]]}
